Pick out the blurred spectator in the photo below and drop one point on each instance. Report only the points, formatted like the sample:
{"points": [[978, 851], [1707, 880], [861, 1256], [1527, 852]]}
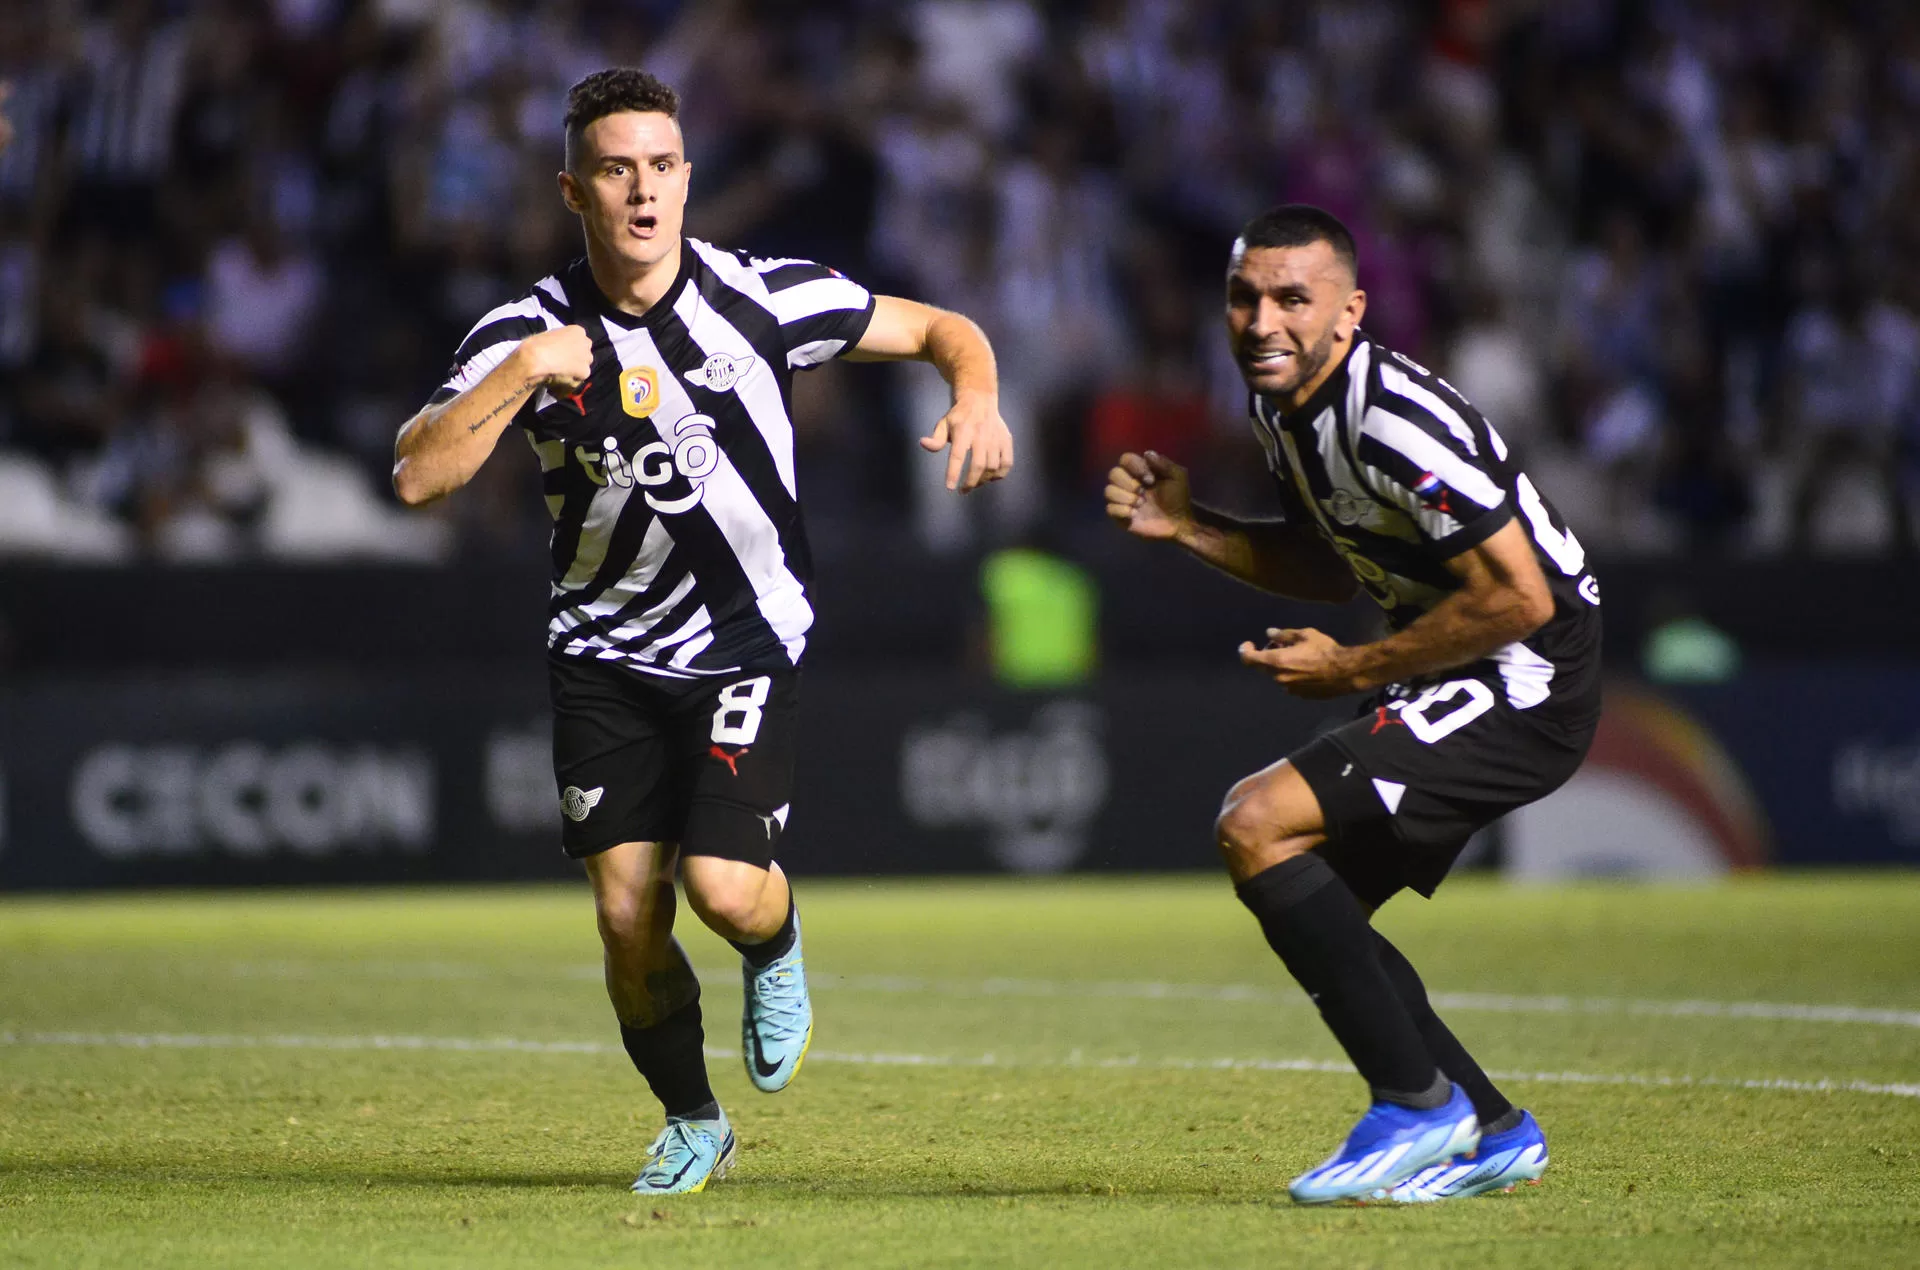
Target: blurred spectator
{"points": [[262, 295], [1853, 365], [1592, 215]]}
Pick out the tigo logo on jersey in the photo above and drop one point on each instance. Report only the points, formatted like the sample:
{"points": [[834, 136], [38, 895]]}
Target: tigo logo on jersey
{"points": [[640, 391], [721, 371], [575, 803], [694, 455]]}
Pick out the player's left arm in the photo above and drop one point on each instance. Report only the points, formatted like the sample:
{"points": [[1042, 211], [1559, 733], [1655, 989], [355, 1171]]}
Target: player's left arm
{"points": [[1503, 597], [906, 330]]}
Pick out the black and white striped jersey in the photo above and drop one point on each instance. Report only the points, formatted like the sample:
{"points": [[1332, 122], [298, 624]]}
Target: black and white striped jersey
{"points": [[678, 547], [1400, 474]]}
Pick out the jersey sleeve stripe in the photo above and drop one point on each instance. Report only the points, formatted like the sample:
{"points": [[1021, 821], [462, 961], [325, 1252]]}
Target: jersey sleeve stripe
{"points": [[504, 330], [823, 338], [783, 275], [820, 295], [1401, 384], [1413, 446], [476, 366]]}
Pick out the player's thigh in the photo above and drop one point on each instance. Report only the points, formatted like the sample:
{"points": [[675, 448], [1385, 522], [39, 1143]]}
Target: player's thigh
{"points": [[613, 759], [736, 745]]}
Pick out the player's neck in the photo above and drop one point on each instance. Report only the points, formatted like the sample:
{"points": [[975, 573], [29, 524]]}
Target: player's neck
{"points": [[632, 289], [1335, 360]]}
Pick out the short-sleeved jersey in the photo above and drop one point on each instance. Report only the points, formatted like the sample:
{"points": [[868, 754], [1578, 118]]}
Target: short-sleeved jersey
{"points": [[678, 547], [1400, 474]]}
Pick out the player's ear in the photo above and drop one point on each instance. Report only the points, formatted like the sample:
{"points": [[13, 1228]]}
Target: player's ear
{"points": [[1351, 315], [570, 193]]}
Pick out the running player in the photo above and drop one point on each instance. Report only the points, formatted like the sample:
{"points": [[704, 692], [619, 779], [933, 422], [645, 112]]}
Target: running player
{"points": [[1485, 693], [652, 379]]}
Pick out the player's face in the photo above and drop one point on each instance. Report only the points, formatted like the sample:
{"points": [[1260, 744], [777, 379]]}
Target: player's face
{"points": [[1289, 311], [629, 185]]}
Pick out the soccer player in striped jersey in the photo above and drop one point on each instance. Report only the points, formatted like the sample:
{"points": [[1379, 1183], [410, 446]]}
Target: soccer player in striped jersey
{"points": [[652, 379], [1484, 694]]}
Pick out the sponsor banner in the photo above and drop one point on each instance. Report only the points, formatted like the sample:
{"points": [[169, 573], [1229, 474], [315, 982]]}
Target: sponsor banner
{"points": [[385, 776], [1832, 753]]}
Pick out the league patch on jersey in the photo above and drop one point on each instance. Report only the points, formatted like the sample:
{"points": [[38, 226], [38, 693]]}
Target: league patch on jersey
{"points": [[640, 391], [721, 371]]}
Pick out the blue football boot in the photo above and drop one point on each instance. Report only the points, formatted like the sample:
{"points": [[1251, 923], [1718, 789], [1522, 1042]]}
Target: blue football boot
{"points": [[686, 1156], [1389, 1145], [776, 1018], [1501, 1162]]}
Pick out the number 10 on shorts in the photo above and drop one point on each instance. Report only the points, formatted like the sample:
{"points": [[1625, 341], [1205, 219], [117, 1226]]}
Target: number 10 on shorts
{"points": [[737, 721]]}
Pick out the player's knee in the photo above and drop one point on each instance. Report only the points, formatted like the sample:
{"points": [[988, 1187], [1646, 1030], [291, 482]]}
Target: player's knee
{"points": [[728, 904], [1254, 824], [624, 917]]}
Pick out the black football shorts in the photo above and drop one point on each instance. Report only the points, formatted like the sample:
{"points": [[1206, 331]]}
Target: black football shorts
{"points": [[1403, 786], [706, 763]]}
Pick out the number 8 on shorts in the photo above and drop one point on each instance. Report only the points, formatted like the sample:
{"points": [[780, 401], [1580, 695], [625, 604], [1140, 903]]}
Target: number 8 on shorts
{"points": [[737, 721]]}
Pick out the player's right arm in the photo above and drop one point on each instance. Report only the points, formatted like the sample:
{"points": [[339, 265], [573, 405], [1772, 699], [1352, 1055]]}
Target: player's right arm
{"points": [[440, 448], [1148, 495]]}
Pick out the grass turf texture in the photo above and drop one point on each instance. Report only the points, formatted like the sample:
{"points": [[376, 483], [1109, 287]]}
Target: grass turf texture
{"points": [[234, 1153]]}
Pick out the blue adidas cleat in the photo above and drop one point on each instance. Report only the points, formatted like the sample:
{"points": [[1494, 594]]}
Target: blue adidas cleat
{"points": [[1501, 1162], [1389, 1145], [776, 1019], [686, 1156]]}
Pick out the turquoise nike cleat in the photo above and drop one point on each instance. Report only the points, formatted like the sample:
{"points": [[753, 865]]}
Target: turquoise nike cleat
{"points": [[1390, 1144], [686, 1156], [776, 1019], [1502, 1162]]}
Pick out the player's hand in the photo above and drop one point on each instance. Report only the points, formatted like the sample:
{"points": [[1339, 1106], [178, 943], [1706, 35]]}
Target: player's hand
{"points": [[560, 360], [1307, 663], [972, 429], [1148, 495]]}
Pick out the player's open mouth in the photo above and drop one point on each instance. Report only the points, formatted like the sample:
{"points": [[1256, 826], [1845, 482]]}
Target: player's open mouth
{"points": [[642, 226], [1268, 358]]}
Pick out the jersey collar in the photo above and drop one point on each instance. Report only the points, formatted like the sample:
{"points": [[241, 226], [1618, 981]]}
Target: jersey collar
{"points": [[652, 318]]}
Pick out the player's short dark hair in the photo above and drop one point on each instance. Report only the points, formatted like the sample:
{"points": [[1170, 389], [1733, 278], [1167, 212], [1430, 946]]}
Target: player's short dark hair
{"points": [[610, 92], [1300, 225]]}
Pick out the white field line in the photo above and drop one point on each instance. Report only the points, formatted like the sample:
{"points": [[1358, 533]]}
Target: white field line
{"points": [[1094, 989], [512, 1045]]}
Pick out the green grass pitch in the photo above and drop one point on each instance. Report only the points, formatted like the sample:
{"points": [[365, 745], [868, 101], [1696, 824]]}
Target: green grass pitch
{"points": [[1005, 1072]]}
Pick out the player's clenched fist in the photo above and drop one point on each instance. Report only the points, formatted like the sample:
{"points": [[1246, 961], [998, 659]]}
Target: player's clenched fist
{"points": [[1148, 494], [560, 359]]}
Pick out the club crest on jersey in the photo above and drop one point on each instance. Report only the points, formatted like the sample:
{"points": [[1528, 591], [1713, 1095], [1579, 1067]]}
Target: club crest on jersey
{"points": [[640, 391], [721, 371], [1346, 509], [575, 803]]}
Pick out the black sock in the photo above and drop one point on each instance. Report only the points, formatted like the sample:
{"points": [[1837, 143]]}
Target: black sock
{"points": [[1319, 930], [1503, 1123], [1488, 1102], [765, 953], [669, 1055]]}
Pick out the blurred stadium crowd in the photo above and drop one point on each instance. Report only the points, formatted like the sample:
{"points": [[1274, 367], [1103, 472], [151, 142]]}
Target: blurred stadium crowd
{"points": [[1669, 247]]}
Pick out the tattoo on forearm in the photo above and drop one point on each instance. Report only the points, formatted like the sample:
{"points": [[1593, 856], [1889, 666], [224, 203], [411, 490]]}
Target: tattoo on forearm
{"points": [[487, 418]]}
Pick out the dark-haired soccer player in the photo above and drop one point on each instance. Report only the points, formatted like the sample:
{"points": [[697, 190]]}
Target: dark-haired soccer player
{"points": [[652, 379], [1485, 693]]}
